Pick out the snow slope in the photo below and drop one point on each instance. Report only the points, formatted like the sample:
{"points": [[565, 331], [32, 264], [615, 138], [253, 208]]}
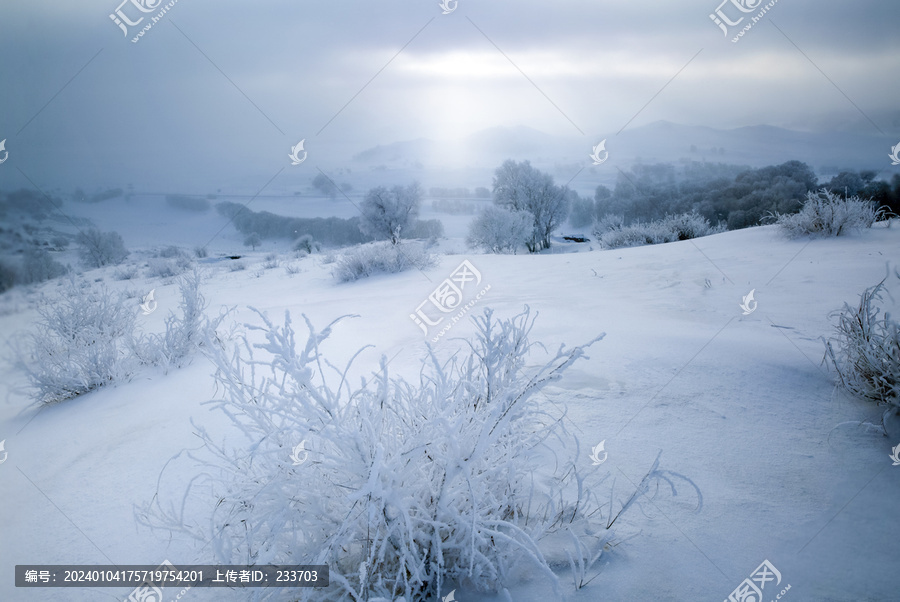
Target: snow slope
{"points": [[740, 404]]}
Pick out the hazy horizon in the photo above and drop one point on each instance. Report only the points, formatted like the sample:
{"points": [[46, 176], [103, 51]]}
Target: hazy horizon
{"points": [[214, 96]]}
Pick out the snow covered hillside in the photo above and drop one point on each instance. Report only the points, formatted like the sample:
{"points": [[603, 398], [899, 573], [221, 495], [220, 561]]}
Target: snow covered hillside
{"points": [[738, 402]]}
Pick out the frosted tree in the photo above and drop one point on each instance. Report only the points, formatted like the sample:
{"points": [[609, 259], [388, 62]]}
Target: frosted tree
{"points": [[521, 187], [38, 265], [499, 230], [252, 240], [98, 249], [385, 213]]}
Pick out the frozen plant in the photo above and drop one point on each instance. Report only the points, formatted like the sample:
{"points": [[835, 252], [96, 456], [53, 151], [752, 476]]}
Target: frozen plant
{"points": [[252, 240], [634, 235], [168, 268], [183, 333], [126, 272], [613, 233], [271, 261], [521, 187], [380, 257], [825, 213], [388, 213], [306, 244], [865, 350], [398, 486], [170, 251], [82, 342], [98, 249], [685, 226], [500, 230]]}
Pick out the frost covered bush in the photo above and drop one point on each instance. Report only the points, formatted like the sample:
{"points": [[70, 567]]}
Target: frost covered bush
{"points": [[168, 268], [126, 272], [608, 222], [306, 244], [635, 235], [86, 338], [98, 249], [183, 334], [380, 257], [825, 213], [170, 252], [271, 261], [400, 487], [865, 350], [82, 342], [500, 230], [685, 226], [613, 233]]}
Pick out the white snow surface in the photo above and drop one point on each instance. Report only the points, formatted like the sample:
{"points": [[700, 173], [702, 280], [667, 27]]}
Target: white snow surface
{"points": [[740, 404]]}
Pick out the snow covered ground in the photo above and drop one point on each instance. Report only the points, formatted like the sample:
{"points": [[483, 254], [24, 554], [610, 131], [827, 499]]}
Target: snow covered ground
{"points": [[740, 404]]}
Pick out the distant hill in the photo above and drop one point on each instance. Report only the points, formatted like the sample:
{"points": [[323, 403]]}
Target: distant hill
{"points": [[661, 141]]}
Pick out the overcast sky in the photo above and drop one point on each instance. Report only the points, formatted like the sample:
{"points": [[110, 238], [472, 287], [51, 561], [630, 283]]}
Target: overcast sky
{"points": [[218, 91]]}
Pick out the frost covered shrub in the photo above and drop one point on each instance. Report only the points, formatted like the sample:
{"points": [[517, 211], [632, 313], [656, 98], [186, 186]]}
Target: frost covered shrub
{"points": [[500, 230], [685, 226], [82, 342], [825, 213], [169, 267], [372, 258], [400, 487], [86, 338], [614, 234], [98, 249], [635, 235], [865, 350], [307, 244], [170, 251], [271, 261], [183, 334], [608, 222], [126, 272]]}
